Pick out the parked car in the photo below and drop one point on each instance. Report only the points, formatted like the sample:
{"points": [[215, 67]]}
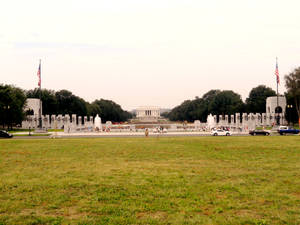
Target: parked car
{"points": [[287, 130], [4, 134], [220, 132], [259, 132]]}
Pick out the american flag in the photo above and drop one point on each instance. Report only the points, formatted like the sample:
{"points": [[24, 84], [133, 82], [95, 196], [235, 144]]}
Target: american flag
{"points": [[39, 75], [277, 73]]}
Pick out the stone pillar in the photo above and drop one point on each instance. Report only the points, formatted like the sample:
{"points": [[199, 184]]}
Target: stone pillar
{"points": [[79, 125], [226, 121], [85, 122], [67, 128], [67, 119], [258, 121], [52, 121], [215, 120], [43, 121], [48, 121], [270, 119], [282, 119], [74, 123], [220, 120], [59, 121], [253, 121], [237, 120], [232, 123], [63, 121], [91, 123], [264, 119], [44, 125], [245, 121]]}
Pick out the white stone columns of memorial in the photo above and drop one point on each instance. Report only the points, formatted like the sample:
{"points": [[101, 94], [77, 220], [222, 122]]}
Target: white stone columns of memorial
{"points": [[79, 125], [237, 120], [85, 122], [232, 120], [59, 121], [226, 121]]}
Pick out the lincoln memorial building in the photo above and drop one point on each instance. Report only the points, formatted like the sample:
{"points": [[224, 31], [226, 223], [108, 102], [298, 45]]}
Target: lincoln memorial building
{"points": [[148, 113]]}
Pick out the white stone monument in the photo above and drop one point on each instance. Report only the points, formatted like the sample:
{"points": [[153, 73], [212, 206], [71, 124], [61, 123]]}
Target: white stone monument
{"points": [[210, 122], [97, 124]]}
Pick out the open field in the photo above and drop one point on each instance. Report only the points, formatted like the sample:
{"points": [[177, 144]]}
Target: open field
{"points": [[182, 180]]}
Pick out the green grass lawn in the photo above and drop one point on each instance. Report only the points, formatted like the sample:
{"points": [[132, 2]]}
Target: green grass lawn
{"points": [[183, 180]]}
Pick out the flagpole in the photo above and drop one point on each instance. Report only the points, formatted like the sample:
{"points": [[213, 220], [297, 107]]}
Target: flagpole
{"points": [[40, 95], [276, 111]]}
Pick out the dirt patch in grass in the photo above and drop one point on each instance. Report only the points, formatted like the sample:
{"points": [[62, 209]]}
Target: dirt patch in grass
{"points": [[154, 215], [70, 213]]}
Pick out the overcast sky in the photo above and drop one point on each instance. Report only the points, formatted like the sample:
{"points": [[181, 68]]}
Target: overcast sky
{"points": [[148, 52]]}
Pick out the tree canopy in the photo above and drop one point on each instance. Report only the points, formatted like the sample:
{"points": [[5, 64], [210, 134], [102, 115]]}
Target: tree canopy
{"points": [[67, 103], [292, 84], [12, 103], [109, 111], [226, 102], [256, 102], [214, 101]]}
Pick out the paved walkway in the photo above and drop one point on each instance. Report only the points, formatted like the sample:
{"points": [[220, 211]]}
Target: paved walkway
{"points": [[122, 134], [139, 134]]}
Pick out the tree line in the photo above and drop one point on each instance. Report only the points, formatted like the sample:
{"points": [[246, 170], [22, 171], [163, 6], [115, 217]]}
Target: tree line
{"points": [[224, 102], [13, 101], [65, 102], [219, 102]]}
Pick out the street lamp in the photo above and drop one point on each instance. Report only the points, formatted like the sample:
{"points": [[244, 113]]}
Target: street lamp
{"points": [[290, 107]]}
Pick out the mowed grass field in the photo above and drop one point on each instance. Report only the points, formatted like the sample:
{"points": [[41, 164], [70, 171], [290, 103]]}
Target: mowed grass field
{"points": [[182, 180]]}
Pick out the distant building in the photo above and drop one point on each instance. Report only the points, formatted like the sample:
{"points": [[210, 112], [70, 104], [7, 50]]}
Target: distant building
{"points": [[271, 104], [148, 113], [33, 104]]}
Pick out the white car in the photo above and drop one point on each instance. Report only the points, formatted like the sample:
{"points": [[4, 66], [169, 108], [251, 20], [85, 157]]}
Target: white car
{"points": [[220, 132]]}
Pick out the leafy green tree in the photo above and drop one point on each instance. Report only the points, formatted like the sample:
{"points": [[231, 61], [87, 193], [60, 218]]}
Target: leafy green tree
{"points": [[291, 113], [12, 103], [256, 102], [93, 109], [208, 98], [165, 114], [67, 103], [226, 102], [292, 84], [110, 111], [180, 112], [197, 109]]}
